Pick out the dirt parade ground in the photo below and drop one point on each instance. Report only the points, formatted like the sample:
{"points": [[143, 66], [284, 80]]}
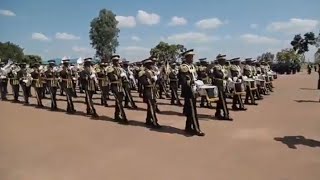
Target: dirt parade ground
{"points": [[277, 140]]}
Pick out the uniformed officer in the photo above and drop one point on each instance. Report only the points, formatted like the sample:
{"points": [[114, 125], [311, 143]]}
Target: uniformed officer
{"points": [[88, 80], [203, 75], [67, 84], [247, 71], [236, 77], [14, 81], [3, 83], [103, 83], [37, 83], [25, 82], [173, 76], [220, 77], [188, 92], [148, 79], [52, 79], [115, 74], [254, 74], [126, 87]]}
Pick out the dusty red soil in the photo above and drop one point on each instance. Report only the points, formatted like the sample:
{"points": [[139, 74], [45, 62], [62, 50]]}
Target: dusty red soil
{"points": [[262, 143]]}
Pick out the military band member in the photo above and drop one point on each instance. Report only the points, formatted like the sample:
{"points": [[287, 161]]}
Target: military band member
{"points": [[202, 72], [254, 74], [115, 75], [14, 81], [261, 87], [236, 77], [103, 83], [37, 83], [52, 79], [87, 78], [3, 83], [75, 78], [247, 71], [173, 76], [148, 79], [67, 85], [188, 74], [127, 87], [25, 82]]}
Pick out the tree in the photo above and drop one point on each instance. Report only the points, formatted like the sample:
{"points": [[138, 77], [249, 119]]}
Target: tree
{"points": [[288, 56], [31, 59], [167, 52], [301, 45], [11, 51], [104, 34], [268, 56], [317, 57]]}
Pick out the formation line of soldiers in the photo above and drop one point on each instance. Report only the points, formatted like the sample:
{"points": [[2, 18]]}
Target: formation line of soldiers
{"points": [[212, 83]]}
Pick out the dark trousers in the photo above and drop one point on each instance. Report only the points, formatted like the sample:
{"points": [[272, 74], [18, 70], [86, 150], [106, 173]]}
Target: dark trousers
{"points": [[15, 90], [140, 89], [237, 100], [151, 112], [222, 104], [249, 94], [26, 92], [39, 91], [119, 107], [53, 94], [90, 107], [174, 93], [190, 111], [104, 95], [69, 94], [3, 86], [128, 97]]}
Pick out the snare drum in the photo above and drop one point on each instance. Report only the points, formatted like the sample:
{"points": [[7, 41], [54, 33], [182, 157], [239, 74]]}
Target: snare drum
{"points": [[239, 87], [252, 84]]}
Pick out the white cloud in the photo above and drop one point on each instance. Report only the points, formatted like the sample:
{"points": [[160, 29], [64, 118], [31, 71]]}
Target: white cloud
{"points": [[83, 50], [148, 18], [256, 39], [178, 21], [40, 37], [211, 23], [126, 21], [227, 37], [135, 38], [66, 36], [195, 37], [294, 25], [5, 12], [136, 49], [253, 26]]}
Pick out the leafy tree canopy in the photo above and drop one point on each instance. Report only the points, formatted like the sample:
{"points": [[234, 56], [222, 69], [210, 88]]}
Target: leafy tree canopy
{"points": [[167, 52], [289, 56], [104, 34], [268, 56], [11, 51]]}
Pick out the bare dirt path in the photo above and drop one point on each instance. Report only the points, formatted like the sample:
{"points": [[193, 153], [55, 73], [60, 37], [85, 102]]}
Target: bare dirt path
{"points": [[276, 140]]}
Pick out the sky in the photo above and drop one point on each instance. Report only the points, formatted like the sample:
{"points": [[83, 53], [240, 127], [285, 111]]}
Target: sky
{"points": [[245, 28]]}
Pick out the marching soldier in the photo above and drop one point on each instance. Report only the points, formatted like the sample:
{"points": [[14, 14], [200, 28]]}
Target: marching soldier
{"points": [[203, 75], [247, 71], [52, 79], [237, 78], [25, 82], [148, 79], [254, 74], [173, 76], [220, 77], [103, 83], [37, 83], [75, 78], [139, 70], [115, 75], [88, 77], [14, 81], [67, 84], [188, 73], [126, 87], [3, 84]]}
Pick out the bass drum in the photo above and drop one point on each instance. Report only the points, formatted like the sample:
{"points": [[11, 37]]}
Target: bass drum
{"points": [[212, 94]]}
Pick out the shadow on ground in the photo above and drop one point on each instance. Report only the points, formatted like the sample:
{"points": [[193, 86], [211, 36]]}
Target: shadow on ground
{"points": [[307, 101], [292, 141]]}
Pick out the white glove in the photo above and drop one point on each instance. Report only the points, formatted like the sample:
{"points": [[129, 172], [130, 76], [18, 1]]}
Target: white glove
{"points": [[25, 81], [199, 83], [194, 88], [155, 78], [92, 76], [122, 74], [3, 77], [74, 78]]}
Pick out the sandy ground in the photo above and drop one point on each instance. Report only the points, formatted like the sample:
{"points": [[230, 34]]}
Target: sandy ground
{"points": [[276, 140]]}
